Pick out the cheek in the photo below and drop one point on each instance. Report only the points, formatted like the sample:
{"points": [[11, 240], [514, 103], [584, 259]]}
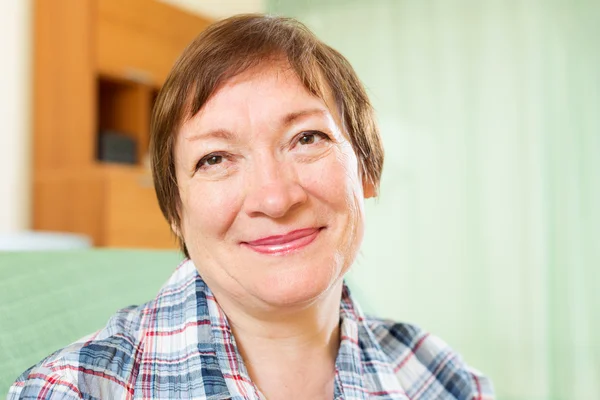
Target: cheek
{"points": [[338, 187], [208, 210], [335, 179]]}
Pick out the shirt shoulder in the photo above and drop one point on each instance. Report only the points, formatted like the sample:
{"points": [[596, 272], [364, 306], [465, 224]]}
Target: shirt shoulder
{"points": [[426, 367]]}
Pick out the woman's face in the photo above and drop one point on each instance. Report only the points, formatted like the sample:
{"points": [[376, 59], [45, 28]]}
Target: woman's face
{"points": [[271, 197]]}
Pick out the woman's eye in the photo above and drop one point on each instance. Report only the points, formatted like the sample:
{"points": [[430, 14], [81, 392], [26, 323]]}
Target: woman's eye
{"points": [[209, 160], [310, 137], [212, 160]]}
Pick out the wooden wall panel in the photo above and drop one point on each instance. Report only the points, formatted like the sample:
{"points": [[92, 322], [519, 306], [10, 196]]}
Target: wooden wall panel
{"points": [[64, 84]]}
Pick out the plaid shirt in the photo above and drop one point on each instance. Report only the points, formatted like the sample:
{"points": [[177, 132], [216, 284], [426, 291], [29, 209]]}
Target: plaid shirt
{"points": [[180, 346]]}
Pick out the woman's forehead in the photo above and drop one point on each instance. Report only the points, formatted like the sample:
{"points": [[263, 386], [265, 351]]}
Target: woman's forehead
{"points": [[265, 82], [268, 93]]}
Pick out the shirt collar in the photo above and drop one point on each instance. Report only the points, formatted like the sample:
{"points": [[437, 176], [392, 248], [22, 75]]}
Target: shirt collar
{"points": [[232, 366], [363, 371]]}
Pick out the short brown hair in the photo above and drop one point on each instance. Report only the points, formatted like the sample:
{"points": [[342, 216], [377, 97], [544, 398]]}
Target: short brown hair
{"points": [[231, 46]]}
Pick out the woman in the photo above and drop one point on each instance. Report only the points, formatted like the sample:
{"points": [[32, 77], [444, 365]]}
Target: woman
{"points": [[264, 147]]}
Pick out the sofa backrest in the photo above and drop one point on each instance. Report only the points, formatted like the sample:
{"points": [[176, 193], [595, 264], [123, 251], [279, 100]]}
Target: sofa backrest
{"points": [[50, 299]]}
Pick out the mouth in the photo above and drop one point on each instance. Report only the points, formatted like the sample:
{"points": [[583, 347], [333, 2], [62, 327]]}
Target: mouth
{"points": [[284, 244]]}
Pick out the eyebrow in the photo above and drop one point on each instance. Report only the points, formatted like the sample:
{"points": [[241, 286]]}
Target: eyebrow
{"points": [[293, 117], [216, 134], [286, 121]]}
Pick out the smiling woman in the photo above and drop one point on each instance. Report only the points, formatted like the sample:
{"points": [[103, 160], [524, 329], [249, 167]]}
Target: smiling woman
{"points": [[280, 179], [264, 148]]}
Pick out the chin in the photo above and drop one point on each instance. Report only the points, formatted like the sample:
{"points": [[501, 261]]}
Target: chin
{"points": [[302, 287]]}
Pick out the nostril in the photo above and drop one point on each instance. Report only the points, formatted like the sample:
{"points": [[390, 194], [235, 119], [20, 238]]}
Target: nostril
{"points": [[275, 200]]}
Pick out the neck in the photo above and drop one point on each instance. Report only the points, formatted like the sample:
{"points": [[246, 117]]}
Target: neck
{"points": [[314, 326], [285, 345]]}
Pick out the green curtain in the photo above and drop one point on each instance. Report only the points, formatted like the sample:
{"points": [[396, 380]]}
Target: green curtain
{"points": [[487, 228]]}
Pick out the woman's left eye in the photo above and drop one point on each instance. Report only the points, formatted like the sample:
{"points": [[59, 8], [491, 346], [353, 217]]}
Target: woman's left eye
{"points": [[310, 137]]}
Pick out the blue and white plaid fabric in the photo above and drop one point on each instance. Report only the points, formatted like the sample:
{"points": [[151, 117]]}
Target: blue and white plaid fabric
{"points": [[180, 346]]}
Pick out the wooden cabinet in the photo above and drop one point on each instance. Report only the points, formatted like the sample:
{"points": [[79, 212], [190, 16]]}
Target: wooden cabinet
{"points": [[129, 199], [98, 65], [140, 39]]}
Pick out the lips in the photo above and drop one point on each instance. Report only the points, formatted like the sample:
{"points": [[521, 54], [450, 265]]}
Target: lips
{"points": [[283, 244]]}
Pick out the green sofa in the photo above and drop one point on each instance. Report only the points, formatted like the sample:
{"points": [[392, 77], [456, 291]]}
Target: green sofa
{"points": [[49, 299]]}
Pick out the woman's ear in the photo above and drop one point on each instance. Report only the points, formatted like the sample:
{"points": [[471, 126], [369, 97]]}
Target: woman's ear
{"points": [[176, 230], [369, 189]]}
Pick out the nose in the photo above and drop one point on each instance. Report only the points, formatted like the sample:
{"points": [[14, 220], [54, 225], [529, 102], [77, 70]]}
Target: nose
{"points": [[273, 189]]}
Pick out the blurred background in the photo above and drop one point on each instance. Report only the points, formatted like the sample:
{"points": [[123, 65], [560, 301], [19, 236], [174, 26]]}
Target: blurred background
{"points": [[487, 228]]}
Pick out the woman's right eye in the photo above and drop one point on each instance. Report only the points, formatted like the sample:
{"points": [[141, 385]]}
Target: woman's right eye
{"points": [[212, 160], [209, 160]]}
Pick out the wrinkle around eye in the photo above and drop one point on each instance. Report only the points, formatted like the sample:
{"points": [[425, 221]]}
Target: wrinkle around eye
{"points": [[316, 152]]}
